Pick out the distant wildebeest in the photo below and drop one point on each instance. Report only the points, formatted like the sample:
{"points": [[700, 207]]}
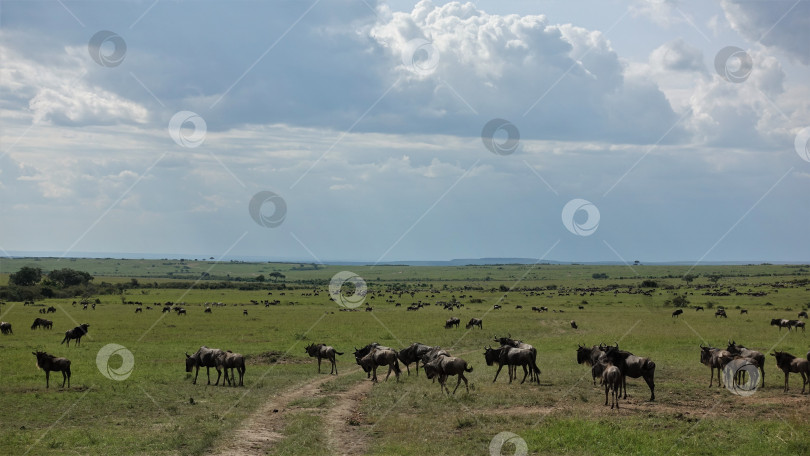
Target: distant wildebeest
{"points": [[381, 357], [781, 323], [789, 363], [591, 357], [42, 323], [677, 312], [698, 308], [412, 354], [50, 309], [50, 363], [612, 380], [230, 360], [518, 307], [452, 321], [535, 371], [475, 322], [5, 327], [573, 324], [180, 311], [245, 313], [543, 309], [743, 311], [511, 357], [445, 366], [322, 351], [535, 309], [797, 324], [803, 314], [166, 309], [581, 307], [632, 366], [138, 309], [496, 307], [75, 333], [207, 358], [207, 310], [720, 313], [758, 357], [714, 358]]}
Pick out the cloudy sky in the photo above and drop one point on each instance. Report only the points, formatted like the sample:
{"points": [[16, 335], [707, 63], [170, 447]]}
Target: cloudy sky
{"points": [[652, 130]]}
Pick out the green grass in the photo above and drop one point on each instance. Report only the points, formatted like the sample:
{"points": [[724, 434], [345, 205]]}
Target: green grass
{"points": [[151, 411]]}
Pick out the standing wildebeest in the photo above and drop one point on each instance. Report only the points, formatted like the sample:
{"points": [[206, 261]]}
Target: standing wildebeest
{"points": [[573, 324], [802, 314], [50, 363], [632, 366], [207, 310], [412, 354], [590, 357], [720, 313], [797, 324], [5, 327], [445, 366], [75, 333], [511, 357], [321, 351], [758, 357], [138, 309], [207, 358], [244, 312], [612, 379], [715, 358], [698, 308], [452, 321], [475, 322], [230, 360], [743, 311], [677, 312], [789, 363], [381, 357], [519, 344], [362, 352], [781, 323]]}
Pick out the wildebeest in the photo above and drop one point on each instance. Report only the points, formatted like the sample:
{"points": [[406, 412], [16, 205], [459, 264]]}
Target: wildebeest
{"points": [[496, 307], [138, 309], [5, 327], [42, 323], [50, 363], [573, 324], [322, 351], [50, 309], [632, 366], [743, 311], [412, 354], [612, 380], [445, 366], [207, 310], [362, 352], [591, 357], [802, 314], [475, 322], [781, 323], [535, 371], [714, 358], [720, 313], [677, 312], [797, 324], [166, 309], [230, 360], [180, 311], [452, 321], [758, 357], [207, 358], [381, 357], [75, 333], [511, 357], [789, 363]]}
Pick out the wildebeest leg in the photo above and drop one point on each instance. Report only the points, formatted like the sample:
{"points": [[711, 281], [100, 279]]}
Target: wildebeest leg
{"points": [[651, 383], [804, 381], [500, 366], [786, 381], [624, 385], [208, 372], [762, 371], [67, 373], [194, 382], [334, 366], [460, 376], [374, 377], [219, 373], [607, 389], [525, 374], [47, 379], [319, 364]]}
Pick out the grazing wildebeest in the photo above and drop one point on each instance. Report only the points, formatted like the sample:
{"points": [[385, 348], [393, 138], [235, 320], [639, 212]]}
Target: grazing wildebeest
{"points": [[802, 314], [412, 354], [612, 379], [42, 323], [166, 309], [5, 327], [475, 322], [381, 357], [720, 313], [181, 311], [322, 351], [50, 309], [743, 311], [207, 310], [138, 309], [591, 357], [75, 333], [445, 366], [714, 358], [781, 323], [758, 357], [677, 312], [573, 324], [207, 358], [452, 321], [496, 307], [632, 366], [789, 363], [230, 360], [244, 312], [50, 363], [698, 308], [520, 344]]}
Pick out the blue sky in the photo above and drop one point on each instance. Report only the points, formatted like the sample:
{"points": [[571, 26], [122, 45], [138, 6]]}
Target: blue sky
{"points": [[366, 119]]}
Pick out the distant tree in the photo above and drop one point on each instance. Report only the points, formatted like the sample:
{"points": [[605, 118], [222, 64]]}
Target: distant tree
{"points": [[599, 275], [688, 278], [680, 301], [26, 276], [69, 277], [134, 282], [636, 263], [715, 277], [260, 278], [649, 284], [276, 275]]}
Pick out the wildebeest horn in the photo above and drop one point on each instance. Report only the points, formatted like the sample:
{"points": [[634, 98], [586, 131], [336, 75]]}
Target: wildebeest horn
{"points": [[701, 345], [617, 345], [187, 355]]}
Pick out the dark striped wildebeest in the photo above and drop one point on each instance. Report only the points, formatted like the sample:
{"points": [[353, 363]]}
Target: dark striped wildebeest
{"points": [[412, 354], [612, 380], [445, 366], [758, 357], [75, 333], [50, 363], [520, 344], [714, 358], [42, 323], [207, 358], [591, 357], [230, 360], [322, 351], [789, 363], [475, 322], [5, 327], [632, 366], [381, 357], [511, 357]]}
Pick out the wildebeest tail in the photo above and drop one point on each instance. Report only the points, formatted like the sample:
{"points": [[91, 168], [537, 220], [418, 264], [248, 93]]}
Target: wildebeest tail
{"points": [[649, 365], [63, 340], [468, 369], [396, 366], [338, 353]]}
